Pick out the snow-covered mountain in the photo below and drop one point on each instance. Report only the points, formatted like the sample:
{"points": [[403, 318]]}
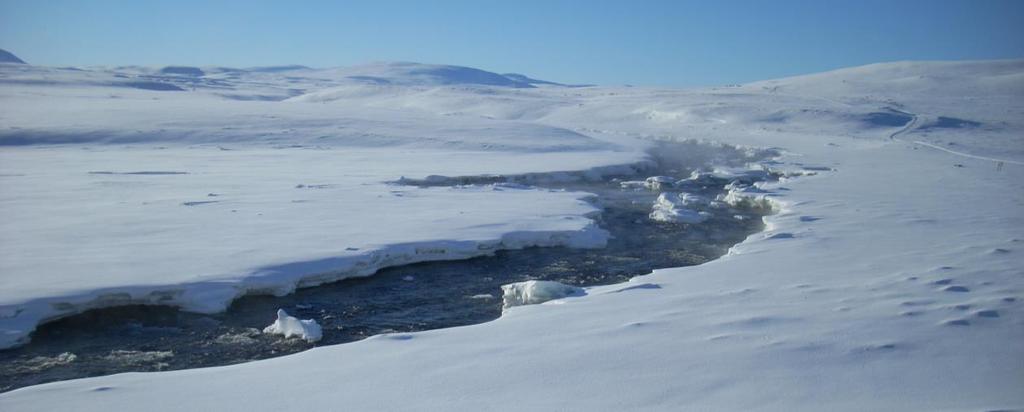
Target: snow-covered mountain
{"points": [[8, 57], [889, 278]]}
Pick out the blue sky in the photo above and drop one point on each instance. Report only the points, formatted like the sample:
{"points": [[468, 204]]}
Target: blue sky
{"points": [[668, 43]]}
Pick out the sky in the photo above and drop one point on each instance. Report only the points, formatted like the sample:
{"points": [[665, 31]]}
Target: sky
{"points": [[641, 42]]}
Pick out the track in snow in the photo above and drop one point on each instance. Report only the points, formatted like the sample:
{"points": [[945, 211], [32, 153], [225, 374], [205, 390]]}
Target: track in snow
{"points": [[912, 124], [991, 159]]}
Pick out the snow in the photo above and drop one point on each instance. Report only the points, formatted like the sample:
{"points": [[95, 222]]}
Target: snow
{"points": [[281, 219], [532, 292], [185, 198], [680, 208], [289, 326], [889, 277], [750, 197], [656, 182], [10, 58]]}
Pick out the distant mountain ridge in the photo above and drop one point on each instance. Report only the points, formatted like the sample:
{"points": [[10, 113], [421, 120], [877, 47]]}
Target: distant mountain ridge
{"points": [[385, 73], [408, 73], [382, 73], [8, 57]]}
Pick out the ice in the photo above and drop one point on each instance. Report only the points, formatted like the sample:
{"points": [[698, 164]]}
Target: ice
{"points": [[749, 197], [680, 208], [658, 182], [633, 184], [289, 326], [699, 178], [532, 292]]}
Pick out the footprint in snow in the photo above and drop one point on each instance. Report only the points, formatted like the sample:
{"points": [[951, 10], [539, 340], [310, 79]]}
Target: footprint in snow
{"points": [[640, 286], [879, 347], [199, 203]]}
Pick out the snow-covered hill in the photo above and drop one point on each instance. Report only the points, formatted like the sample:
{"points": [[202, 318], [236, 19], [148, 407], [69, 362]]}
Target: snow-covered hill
{"points": [[890, 278], [8, 57]]}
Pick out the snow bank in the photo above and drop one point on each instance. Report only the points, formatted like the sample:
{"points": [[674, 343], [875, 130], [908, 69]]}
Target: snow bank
{"points": [[533, 292], [141, 243], [289, 326]]}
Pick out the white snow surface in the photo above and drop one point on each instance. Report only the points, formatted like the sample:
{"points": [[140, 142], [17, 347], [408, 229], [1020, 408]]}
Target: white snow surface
{"points": [[289, 326], [198, 227], [890, 277]]}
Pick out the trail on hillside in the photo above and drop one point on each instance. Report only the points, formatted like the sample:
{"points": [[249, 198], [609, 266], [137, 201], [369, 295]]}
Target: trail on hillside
{"points": [[913, 123], [992, 159]]}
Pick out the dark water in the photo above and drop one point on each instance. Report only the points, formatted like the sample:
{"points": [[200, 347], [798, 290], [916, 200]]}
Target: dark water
{"points": [[402, 299]]}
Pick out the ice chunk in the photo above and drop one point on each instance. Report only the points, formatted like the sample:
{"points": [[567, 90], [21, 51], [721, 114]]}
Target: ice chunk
{"points": [[742, 176], [693, 201], [532, 292], [680, 208], [657, 182], [290, 326], [743, 187], [652, 183], [750, 197], [698, 178], [633, 184], [734, 177]]}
